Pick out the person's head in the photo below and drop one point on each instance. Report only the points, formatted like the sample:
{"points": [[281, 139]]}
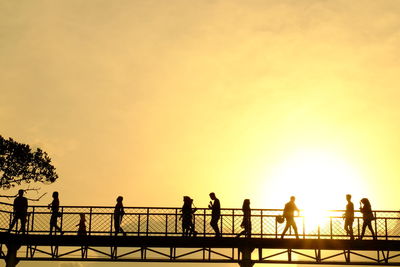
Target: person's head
{"points": [[55, 194], [365, 202], [292, 198], [82, 216], [21, 192], [186, 199], [246, 203], [119, 199], [212, 195], [348, 197]]}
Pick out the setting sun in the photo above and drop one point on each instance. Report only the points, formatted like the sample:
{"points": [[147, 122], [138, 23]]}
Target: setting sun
{"points": [[319, 180]]}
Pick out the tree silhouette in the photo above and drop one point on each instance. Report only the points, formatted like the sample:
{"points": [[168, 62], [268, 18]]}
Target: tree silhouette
{"points": [[19, 163]]}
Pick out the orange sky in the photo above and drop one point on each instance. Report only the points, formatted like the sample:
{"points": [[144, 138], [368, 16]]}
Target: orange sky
{"points": [[154, 100]]}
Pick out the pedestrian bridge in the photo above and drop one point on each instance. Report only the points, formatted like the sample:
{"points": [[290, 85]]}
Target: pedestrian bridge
{"points": [[154, 234]]}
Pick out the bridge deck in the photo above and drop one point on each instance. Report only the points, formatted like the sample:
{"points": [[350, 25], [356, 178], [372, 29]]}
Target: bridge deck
{"points": [[155, 235]]}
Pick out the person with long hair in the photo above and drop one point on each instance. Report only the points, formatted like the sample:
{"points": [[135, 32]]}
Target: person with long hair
{"points": [[187, 217], [246, 223], [55, 213], [82, 225], [368, 217]]}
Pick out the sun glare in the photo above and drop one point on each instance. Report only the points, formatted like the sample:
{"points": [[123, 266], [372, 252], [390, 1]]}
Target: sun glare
{"points": [[319, 181]]}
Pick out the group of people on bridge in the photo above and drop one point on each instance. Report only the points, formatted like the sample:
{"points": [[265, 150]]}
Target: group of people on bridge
{"points": [[20, 212]]}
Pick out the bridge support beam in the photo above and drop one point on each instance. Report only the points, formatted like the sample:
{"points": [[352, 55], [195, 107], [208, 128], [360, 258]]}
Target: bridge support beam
{"points": [[246, 257], [11, 257]]}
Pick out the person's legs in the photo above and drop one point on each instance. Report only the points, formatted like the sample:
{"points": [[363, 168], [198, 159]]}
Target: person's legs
{"points": [[363, 230], [13, 222], [293, 224], [214, 225], [286, 228], [372, 230], [23, 223], [350, 229], [346, 226], [116, 225]]}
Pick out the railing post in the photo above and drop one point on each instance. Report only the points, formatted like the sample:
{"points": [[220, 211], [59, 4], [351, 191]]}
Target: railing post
{"points": [[90, 220], [386, 229], [204, 222], [61, 222], [166, 224], [111, 224], [376, 226], [176, 221], [33, 218], [330, 224], [233, 222], [261, 224], [319, 231], [220, 230], [147, 221], [138, 229]]}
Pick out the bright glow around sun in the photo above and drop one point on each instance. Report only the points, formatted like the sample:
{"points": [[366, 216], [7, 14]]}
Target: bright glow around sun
{"points": [[319, 181]]}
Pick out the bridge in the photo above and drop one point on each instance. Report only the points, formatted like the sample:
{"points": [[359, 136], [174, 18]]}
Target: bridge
{"points": [[154, 234]]}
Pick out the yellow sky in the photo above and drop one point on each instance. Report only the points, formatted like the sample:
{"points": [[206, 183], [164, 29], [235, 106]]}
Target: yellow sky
{"points": [[154, 100]]}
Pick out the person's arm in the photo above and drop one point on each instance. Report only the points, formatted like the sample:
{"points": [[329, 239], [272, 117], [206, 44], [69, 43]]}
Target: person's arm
{"points": [[15, 205]]}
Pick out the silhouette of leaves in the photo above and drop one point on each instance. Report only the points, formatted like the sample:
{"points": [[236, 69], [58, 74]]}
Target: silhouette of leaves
{"points": [[19, 163]]}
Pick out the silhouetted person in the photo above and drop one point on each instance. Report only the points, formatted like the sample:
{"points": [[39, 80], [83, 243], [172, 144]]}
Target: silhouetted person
{"points": [[288, 214], [215, 213], [187, 217], [368, 217], [82, 225], [246, 223], [118, 214], [20, 211], [349, 217], [54, 206]]}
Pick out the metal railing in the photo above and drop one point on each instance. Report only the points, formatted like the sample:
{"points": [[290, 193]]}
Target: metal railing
{"points": [[159, 221]]}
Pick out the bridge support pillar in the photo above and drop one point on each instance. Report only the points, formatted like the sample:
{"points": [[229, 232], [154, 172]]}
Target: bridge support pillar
{"points": [[246, 257], [11, 257]]}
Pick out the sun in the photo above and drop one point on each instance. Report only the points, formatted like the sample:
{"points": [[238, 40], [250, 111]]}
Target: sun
{"points": [[318, 179]]}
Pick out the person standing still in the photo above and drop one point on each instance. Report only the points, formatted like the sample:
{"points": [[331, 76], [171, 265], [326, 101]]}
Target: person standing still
{"points": [[215, 213], [20, 211], [349, 217], [288, 214]]}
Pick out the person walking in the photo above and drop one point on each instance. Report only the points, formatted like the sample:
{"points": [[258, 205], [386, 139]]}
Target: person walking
{"points": [[82, 225], [118, 214], [55, 206], [246, 223], [20, 211], [215, 207], [349, 217], [368, 217], [288, 214], [187, 217]]}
